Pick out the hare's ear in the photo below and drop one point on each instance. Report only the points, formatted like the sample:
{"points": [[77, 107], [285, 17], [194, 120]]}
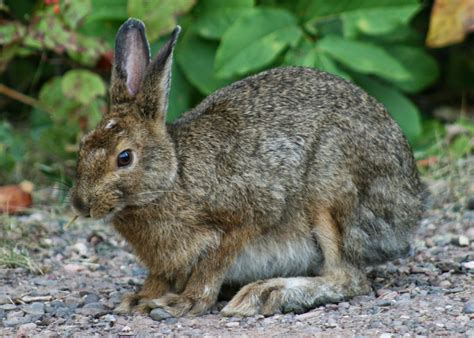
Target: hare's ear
{"points": [[156, 84], [132, 56]]}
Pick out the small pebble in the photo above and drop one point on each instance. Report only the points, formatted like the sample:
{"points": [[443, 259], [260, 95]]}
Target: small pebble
{"points": [[126, 329], [24, 329], [16, 321], [232, 324], [91, 298], [463, 240], [171, 321], [445, 284], [470, 204], [384, 302], [469, 265], [4, 299], [35, 308], [8, 307], [385, 335], [344, 305], [159, 314], [468, 308], [308, 315]]}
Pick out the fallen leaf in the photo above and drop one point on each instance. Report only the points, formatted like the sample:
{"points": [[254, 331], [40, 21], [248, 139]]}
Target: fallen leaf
{"points": [[16, 198], [427, 162], [450, 21]]}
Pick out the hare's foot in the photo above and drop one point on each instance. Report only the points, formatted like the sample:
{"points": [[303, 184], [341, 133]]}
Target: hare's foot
{"points": [[297, 294], [154, 287], [128, 303], [181, 305]]}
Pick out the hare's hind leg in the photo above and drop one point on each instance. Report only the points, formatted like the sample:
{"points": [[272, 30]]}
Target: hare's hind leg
{"points": [[339, 281]]}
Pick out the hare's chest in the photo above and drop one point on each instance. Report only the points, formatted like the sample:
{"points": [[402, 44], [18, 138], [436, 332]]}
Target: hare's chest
{"points": [[275, 257]]}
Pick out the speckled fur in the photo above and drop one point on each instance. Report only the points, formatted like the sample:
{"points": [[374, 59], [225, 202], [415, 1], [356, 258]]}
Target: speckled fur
{"points": [[292, 173]]}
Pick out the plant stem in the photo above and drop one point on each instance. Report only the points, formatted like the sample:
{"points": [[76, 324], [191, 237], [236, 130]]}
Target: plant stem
{"points": [[16, 95]]}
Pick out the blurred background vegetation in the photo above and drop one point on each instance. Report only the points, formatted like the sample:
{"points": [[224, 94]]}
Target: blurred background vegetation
{"points": [[57, 54]]}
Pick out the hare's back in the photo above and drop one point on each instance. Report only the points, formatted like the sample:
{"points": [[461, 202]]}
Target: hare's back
{"points": [[286, 112], [283, 127]]}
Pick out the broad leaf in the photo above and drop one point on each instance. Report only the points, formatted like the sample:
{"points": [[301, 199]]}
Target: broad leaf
{"points": [[215, 17], [11, 32], [307, 54], [213, 24], [450, 21], [159, 16], [399, 106], [108, 10], [255, 40], [364, 57], [377, 21], [74, 11], [322, 9], [423, 67], [52, 97], [196, 57], [82, 86]]}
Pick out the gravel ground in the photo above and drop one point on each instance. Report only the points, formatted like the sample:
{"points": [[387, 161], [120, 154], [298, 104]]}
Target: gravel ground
{"points": [[86, 268]]}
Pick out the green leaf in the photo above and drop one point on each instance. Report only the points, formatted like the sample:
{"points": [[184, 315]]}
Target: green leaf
{"points": [[212, 25], [462, 146], [377, 21], [307, 54], [52, 97], [75, 11], [159, 16], [423, 67], [326, 63], [255, 40], [82, 86], [11, 32], [321, 9], [209, 5], [196, 58], [218, 16], [304, 54], [364, 57], [106, 10], [88, 50], [399, 106]]}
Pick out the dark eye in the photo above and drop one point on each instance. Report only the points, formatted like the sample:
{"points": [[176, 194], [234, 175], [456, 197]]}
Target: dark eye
{"points": [[125, 158]]}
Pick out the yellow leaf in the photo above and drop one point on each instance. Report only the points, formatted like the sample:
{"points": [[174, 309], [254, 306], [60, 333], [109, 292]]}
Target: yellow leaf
{"points": [[450, 21]]}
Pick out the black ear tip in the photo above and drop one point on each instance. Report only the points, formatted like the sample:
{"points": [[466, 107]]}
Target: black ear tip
{"points": [[175, 34], [177, 30], [131, 23]]}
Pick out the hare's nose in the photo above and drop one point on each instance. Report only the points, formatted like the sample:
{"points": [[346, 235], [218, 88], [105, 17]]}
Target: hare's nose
{"points": [[80, 206]]}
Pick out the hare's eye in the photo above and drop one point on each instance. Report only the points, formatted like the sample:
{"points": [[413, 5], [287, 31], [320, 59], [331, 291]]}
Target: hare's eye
{"points": [[124, 158]]}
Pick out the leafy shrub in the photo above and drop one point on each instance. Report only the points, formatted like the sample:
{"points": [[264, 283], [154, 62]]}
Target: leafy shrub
{"points": [[369, 42]]}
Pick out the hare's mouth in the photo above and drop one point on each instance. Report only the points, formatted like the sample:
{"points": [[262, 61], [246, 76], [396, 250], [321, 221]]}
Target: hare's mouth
{"points": [[108, 213]]}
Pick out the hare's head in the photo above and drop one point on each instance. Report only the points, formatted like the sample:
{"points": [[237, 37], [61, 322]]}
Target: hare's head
{"points": [[129, 158]]}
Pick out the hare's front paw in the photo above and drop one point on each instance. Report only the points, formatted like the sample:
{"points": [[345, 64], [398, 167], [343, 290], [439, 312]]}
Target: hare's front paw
{"points": [[181, 305], [128, 304], [133, 302]]}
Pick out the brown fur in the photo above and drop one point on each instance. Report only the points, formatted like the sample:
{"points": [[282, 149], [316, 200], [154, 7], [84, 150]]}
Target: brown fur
{"points": [[292, 180]]}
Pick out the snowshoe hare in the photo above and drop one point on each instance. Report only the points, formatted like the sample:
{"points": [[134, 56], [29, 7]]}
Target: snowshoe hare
{"points": [[287, 184]]}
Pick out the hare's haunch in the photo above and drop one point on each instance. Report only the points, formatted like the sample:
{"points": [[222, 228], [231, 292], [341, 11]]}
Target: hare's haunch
{"points": [[286, 184]]}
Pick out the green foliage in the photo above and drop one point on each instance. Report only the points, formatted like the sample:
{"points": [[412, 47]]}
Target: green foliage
{"points": [[254, 40], [159, 17], [370, 42]]}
